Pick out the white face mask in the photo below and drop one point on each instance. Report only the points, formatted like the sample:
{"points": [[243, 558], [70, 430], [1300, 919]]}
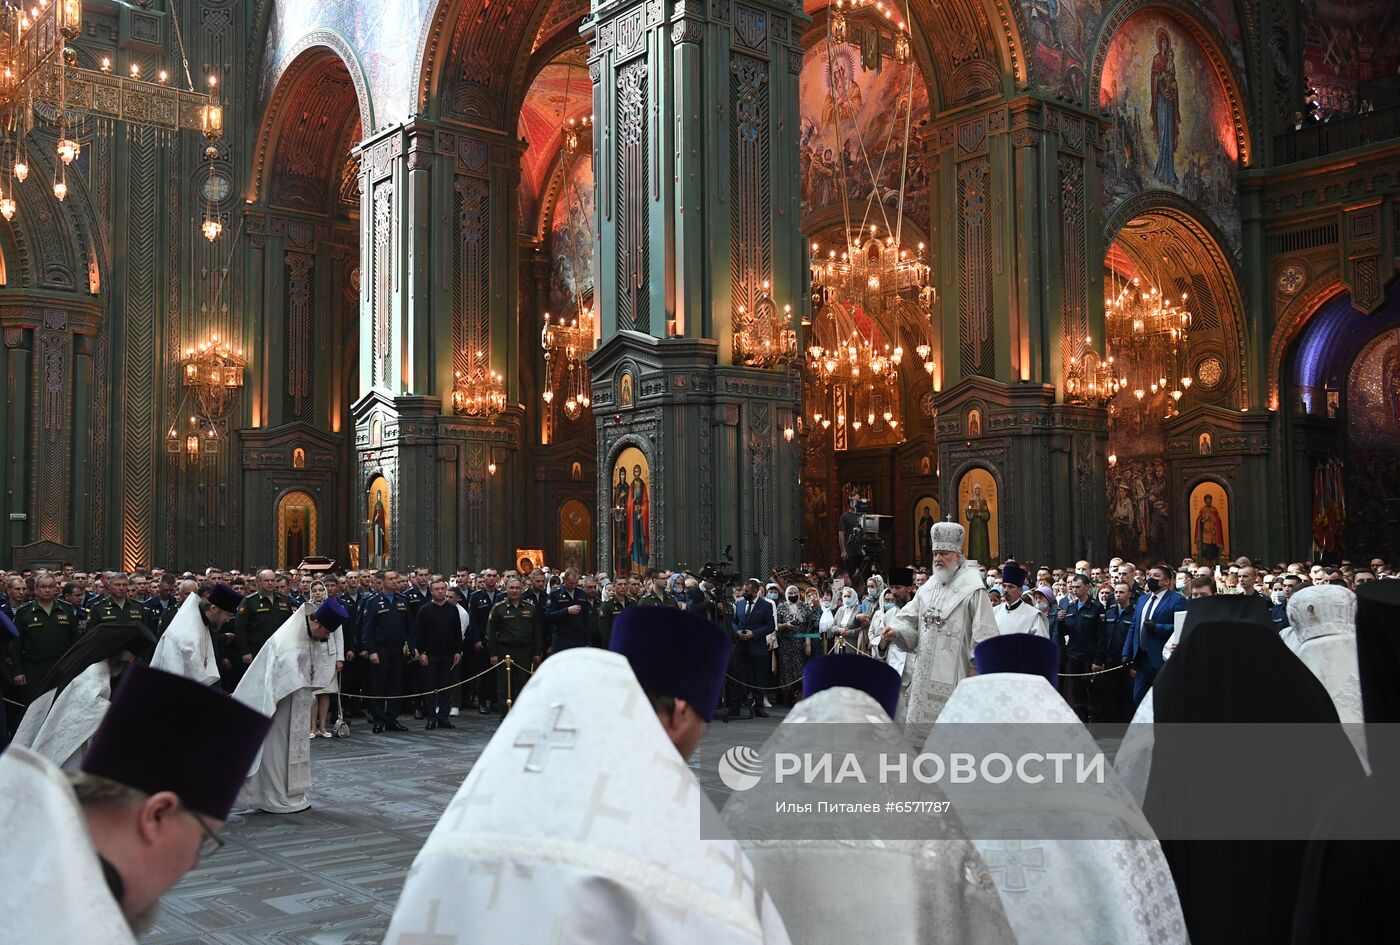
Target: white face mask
{"points": [[1277, 597], [848, 599], [1041, 604]]}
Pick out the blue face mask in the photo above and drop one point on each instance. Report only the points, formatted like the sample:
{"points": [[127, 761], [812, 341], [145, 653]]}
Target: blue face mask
{"points": [[773, 596]]}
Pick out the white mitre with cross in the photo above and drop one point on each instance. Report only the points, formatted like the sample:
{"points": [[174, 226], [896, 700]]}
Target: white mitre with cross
{"points": [[581, 823], [1115, 882]]}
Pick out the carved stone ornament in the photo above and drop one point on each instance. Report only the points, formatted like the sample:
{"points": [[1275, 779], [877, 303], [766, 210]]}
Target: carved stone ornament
{"points": [[688, 29], [1291, 279]]}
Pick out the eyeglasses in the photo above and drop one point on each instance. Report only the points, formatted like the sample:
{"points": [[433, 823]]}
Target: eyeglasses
{"points": [[212, 842]]}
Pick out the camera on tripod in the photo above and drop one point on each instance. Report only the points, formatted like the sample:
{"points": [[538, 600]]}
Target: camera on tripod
{"points": [[866, 542]]}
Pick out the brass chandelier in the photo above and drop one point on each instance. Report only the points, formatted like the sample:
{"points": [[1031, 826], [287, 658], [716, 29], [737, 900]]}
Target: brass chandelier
{"points": [[39, 67], [213, 374], [566, 344], [481, 392], [763, 337], [1148, 335]]}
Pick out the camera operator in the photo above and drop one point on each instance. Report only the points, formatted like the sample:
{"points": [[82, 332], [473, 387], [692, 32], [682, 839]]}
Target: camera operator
{"points": [[850, 535]]}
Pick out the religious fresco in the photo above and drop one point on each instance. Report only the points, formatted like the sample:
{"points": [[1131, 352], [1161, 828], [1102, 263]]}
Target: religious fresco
{"points": [[977, 511], [1346, 43], [1062, 34], [575, 533], [380, 507], [571, 240], [1209, 538], [1137, 507], [296, 529], [856, 117], [631, 546], [1171, 126], [1373, 396], [384, 36], [926, 512]]}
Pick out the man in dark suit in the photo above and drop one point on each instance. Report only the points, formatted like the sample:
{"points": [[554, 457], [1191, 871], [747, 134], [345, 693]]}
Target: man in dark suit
{"points": [[1152, 625], [753, 623]]}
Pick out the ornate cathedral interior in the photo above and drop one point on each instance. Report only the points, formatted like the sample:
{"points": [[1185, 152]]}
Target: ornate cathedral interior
{"points": [[444, 282]]}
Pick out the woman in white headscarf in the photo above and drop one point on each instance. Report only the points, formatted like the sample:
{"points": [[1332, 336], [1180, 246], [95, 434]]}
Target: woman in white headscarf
{"points": [[792, 620], [327, 658], [847, 623]]}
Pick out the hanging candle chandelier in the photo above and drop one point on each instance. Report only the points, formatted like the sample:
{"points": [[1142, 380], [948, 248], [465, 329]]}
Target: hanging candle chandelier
{"points": [[763, 336], [1148, 337], [481, 392], [1091, 381], [566, 343], [39, 72]]}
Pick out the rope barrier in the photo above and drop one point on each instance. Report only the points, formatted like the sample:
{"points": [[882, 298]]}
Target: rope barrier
{"points": [[1097, 672]]}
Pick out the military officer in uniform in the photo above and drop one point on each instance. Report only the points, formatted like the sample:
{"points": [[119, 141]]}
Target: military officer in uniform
{"points": [[515, 629], [568, 613], [120, 606], [537, 591], [47, 628], [622, 598], [259, 617], [479, 605], [657, 596], [387, 630]]}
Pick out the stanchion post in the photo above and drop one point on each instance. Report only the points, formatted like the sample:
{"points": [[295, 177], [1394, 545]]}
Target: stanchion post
{"points": [[509, 690]]}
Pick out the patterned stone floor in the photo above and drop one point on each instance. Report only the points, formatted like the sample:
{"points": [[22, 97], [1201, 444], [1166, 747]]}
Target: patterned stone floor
{"points": [[331, 875]]}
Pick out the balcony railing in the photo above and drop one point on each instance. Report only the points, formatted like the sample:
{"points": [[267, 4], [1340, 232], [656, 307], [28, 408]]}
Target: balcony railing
{"points": [[1339, 134]]}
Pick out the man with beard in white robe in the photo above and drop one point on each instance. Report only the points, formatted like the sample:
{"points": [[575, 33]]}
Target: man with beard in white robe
{"points": [[931, 888], [949, 615], [186, 648], [78, 690], [87, 856], [581, 821], [279, 682], [1114, 885]]}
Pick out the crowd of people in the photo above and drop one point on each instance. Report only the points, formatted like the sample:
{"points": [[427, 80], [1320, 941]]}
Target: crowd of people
{"points": [[420, 634], [929, 647]]}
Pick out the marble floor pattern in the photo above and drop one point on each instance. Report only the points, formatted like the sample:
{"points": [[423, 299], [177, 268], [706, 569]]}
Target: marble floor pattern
{"points": [[331, 875]]}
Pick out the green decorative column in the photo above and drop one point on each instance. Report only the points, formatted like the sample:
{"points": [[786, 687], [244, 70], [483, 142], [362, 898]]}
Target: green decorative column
{"points": [[695, 169]]}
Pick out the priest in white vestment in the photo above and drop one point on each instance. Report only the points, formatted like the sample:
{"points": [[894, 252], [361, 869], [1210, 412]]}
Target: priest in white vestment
{"points": [[77, 692], [899, 592], [86, 857], [949, 615], [581, 821], [280, 683], [186, 648], [1016, 614], [1322, 633], [1115, 885], [841, 886]]}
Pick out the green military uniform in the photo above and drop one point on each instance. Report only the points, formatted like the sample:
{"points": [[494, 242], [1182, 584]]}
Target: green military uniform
{"points": [[43, 638], [653, 599], [166, 616], [610, 609], [517, 631], [258, 618], [108, 610]]}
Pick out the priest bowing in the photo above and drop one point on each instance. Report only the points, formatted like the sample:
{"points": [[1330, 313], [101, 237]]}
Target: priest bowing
{"points": [[186, 648], [87, 856], [581, 821], [280, 682], [76, 693]]}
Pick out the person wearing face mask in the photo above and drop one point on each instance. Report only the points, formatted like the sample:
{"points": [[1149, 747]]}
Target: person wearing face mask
{"points": [[795, 624], [874, 587], [899, 593], [1284, 589], [848, 623], [1153, 624], [1043, 599]]}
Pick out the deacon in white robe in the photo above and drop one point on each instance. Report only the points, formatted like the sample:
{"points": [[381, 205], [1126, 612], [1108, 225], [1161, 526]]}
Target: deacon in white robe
{"points": [[279, 682], [60, 723], [950, 614], [186, 648], [1117, 888], [94, 874], [581, 822], [1016, 614], [1322, 633], [838, 885]]}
